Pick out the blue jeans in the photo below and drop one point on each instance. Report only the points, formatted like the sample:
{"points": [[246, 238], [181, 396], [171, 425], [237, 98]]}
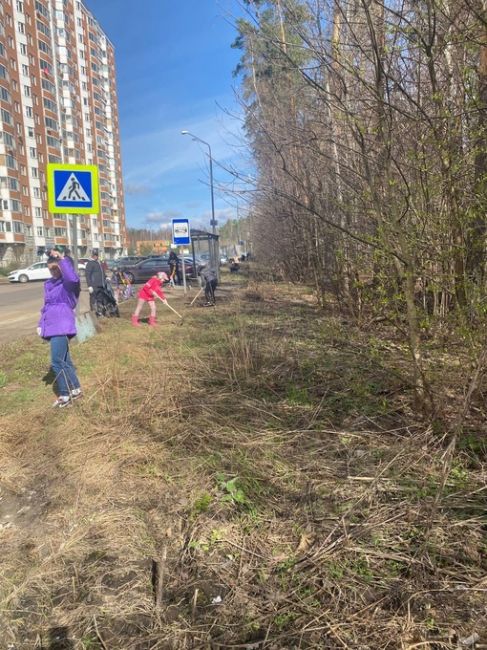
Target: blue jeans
{"points": [[66, 378]]}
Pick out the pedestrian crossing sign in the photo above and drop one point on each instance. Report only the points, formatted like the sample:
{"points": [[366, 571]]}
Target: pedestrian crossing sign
{"points": [[73, 189]]}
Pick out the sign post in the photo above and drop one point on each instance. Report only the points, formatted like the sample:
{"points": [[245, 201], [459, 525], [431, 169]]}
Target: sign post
{"points": [[181, 236], [73, 190]]}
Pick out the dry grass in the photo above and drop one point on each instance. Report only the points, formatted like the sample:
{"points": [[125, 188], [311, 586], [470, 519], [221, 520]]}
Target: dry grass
{"points": [[254, 479]]}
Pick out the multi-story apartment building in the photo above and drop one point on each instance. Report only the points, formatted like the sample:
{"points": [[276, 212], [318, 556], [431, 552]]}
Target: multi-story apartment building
{"points": [[58, 103]]}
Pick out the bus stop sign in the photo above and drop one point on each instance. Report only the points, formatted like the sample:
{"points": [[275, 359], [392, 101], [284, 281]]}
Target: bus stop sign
{"points": [[181, 232]]}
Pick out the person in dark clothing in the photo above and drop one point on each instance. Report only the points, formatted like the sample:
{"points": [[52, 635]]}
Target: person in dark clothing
{"points": [[210, 278], [67, 256], [95, 278], [174, 268]]}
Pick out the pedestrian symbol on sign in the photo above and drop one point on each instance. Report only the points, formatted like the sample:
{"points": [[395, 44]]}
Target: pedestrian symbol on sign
{"points": [[73, 191]]}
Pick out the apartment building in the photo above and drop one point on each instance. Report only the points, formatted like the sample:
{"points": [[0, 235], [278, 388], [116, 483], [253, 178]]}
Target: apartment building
{"points": [[58, 103]]}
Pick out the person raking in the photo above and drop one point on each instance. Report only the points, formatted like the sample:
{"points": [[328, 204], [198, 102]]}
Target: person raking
{"points": [[151, 290]]}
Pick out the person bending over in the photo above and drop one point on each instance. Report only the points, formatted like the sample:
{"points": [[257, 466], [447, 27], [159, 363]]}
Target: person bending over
{"points": [[149, 292]]}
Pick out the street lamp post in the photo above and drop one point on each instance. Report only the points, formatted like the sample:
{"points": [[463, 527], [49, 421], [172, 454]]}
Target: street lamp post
{"points": [[195, 137]]}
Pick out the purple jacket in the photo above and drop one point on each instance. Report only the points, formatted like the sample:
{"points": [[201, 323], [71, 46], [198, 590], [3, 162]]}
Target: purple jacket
{"points": [[60, 298]]}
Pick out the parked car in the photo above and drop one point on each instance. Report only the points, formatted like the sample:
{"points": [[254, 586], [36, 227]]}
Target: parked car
{"points": [[145, 269], [37, 271], [128, 260], [82, 261], [199, 262]]}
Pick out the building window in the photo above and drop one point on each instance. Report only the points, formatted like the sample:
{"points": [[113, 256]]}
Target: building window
{"points": [[21, 27], [40, 231], [43, 29], [5, 95], [49, 104], [47, 85], [44, 47], [33, 152], [41, 9], [5, 226], [51, 124], [10, 161], [6, 117], [37, 212], [60, 232]]}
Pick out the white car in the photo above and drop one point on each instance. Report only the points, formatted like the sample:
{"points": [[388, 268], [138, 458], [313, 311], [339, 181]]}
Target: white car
{"points": [[82, 262], [37, 271]]}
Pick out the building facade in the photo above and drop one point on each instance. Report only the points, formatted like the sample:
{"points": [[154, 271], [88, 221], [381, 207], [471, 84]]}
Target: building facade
{"points": [[58, 103]]}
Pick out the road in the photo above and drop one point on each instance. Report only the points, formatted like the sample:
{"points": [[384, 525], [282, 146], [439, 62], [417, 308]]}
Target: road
{"points": [[20, 305]]}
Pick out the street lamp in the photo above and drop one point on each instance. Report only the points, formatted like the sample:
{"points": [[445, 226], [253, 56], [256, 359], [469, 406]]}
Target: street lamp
{"points": [[196, 139]]}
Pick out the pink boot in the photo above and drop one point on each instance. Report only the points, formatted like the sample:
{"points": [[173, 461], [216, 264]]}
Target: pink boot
{"points": [[152, 321], [135, 320]]}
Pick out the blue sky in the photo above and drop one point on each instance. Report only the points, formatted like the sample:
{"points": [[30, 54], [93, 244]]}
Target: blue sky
{"points": [[174, 72]]}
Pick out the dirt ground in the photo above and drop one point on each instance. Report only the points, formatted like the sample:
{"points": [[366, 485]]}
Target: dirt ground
{"points": [[255, 477]]}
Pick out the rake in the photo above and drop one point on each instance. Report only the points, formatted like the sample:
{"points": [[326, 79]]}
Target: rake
{"points": [[194, 299], [164, 302]]}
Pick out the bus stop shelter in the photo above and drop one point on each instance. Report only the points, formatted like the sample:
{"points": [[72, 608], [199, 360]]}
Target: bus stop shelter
{"points": [[205, 243]]}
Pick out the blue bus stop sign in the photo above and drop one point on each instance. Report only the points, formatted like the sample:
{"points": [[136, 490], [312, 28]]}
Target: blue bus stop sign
{"points": [[181, 232]]}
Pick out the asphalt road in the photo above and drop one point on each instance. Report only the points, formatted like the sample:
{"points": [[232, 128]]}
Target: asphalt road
{"points": [[20, 305]]}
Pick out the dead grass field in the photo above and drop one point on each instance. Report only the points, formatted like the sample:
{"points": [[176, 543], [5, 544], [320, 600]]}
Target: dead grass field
{"points": [[254, 479]]}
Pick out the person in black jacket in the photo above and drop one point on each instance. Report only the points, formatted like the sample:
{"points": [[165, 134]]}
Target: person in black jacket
{"points": [[210, 279], [174, 268], [95, 278]]}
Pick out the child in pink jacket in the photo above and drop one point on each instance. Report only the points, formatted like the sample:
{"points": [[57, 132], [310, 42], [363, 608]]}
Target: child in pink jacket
{"points": [[151, 289]]}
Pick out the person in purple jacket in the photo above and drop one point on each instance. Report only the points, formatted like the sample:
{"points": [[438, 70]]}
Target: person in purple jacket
{"points": [[57, 324]]}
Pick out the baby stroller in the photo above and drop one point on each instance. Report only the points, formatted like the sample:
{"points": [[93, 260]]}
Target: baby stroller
{"points": [[105, 303]]}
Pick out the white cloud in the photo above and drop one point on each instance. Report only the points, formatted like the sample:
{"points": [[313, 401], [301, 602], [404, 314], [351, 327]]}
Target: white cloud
{"points": [[157, 153], [162, 218], [137, 189]]}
